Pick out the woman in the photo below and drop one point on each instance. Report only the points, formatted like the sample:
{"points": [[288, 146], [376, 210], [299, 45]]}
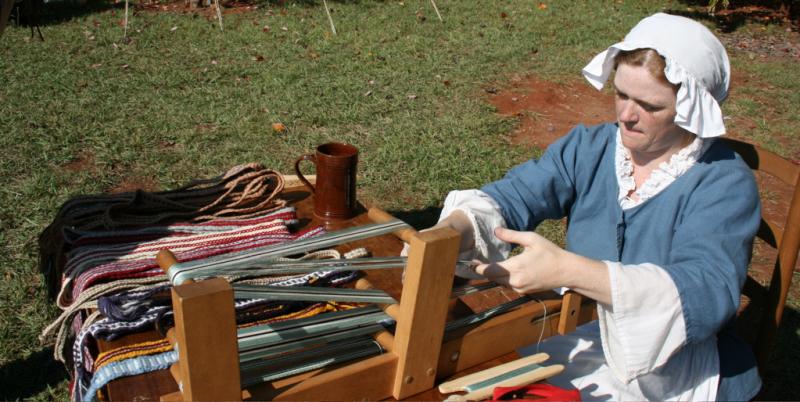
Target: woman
{"points": [[661, 223]]}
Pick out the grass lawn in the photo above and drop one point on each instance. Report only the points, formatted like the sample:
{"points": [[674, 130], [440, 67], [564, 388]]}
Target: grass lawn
{"points": [[85, 112]]}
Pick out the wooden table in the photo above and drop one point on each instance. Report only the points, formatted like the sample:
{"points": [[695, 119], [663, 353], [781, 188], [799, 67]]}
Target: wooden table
{"points": [[150, 386]]}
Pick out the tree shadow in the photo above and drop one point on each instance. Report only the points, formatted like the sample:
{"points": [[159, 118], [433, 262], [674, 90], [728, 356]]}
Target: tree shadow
{"points": [[58, 12], [24, 378], [766, 12], [418, 219]]}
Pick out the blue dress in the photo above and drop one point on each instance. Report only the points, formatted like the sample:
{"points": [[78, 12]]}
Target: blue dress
{"points": [[699, 229]]}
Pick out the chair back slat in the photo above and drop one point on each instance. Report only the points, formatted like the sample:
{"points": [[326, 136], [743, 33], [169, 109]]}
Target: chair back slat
{"points": [[786, 241], [765, 161]]}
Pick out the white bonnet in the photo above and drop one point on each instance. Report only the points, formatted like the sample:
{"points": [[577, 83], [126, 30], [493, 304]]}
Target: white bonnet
{"points": [[695, 59]]}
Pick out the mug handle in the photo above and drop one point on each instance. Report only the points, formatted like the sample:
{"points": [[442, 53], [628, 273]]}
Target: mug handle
{"points": [[306, 157]]}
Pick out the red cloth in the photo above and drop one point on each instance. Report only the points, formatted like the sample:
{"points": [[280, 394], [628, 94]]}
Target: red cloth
{"points": [[537, 392]]}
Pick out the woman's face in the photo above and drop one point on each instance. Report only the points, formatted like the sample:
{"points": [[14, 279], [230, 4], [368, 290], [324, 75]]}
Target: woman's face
{"points": [[645, 112]]}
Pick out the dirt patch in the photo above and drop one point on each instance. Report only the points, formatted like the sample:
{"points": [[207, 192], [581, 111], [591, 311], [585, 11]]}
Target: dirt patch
{"points": [[83, 162], [548, 110], [761, 46]]}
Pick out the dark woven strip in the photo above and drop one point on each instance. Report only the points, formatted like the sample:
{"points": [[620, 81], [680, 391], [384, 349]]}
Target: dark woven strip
{"points": [[243, 191]]}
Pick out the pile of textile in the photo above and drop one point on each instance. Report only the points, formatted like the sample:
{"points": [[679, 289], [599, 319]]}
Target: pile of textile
{"points": [[102, 250]]}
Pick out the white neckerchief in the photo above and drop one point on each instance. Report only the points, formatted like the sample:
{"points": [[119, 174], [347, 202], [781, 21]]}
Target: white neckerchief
{"points": [[661, 177]]}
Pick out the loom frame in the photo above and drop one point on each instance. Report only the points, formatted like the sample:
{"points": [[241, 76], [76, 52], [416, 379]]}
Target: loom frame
{"points": [[417, 355]]}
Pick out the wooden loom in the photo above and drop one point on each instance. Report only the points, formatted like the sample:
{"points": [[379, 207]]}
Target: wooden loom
{"points": [[416, 355]]}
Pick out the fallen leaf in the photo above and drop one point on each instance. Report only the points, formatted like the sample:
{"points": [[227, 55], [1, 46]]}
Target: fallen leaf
{"points": [[503, 15], [542, 6], [412, 97], [124, 66], [446, 83], [266, 28], [259, 58], [278, 127], [214, 62]]}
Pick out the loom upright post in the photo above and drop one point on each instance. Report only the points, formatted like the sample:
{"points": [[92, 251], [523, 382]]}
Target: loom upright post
{"points": [[423, 309], [205, 337], [423, 305]]}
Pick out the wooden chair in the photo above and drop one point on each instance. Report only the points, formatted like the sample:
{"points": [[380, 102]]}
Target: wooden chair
{"points": [[769, 300]]}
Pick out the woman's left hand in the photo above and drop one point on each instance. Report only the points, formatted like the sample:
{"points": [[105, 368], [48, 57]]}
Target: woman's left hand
{"points": [[537, 268]]}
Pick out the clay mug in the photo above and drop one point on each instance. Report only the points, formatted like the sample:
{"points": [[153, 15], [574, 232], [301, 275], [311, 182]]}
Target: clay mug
{"points": [[335, 190]]}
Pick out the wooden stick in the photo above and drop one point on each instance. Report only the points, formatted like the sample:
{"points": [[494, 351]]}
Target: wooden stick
{"points": [[459, 383], [219, 14], [165, 259], [125, 24], [330, 19], [437, 10], [380, 216]]}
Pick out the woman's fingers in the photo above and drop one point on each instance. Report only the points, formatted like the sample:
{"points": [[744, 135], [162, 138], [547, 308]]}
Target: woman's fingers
{"points": [[524, 239], [493, 272]]}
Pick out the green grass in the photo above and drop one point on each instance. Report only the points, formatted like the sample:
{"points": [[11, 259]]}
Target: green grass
{"points": [[770, 107], [181, 100]]}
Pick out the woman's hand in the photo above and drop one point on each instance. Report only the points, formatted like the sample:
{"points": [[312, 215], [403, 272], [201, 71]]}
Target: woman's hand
{"points": [[536, 269], [543, 266]]}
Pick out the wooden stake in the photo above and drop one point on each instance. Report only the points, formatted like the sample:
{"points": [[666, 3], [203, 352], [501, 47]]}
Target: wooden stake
{"points": [[219, 14], [125, 23], [437, 10], [330, 19]]}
